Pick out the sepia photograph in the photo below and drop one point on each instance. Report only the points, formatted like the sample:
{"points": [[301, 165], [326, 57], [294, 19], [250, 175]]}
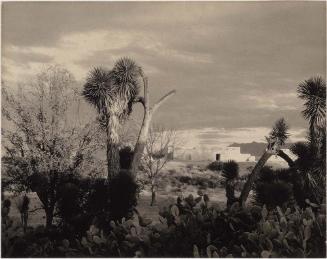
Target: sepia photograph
{"points": [[163, 129]]}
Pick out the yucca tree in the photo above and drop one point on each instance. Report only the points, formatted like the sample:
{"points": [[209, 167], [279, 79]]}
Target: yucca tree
{"points": [[311, 155], [230, 172], [113, 92], [275, 141], [313, 92]]}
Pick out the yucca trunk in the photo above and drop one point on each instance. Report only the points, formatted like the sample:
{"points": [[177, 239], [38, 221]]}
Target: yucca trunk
{"points": [[230, 192], [113, 146], [253, 176]]}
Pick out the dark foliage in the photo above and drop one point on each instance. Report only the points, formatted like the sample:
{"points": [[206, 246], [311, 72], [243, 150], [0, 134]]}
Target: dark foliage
{"points": [[215, 166], [275, 187], [276, 193], [311, 165], [122, 192], [190, 227], [305, 155]]}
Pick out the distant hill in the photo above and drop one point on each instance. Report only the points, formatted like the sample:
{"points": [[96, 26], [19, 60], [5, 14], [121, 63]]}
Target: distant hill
{"points": [[255, 148]]}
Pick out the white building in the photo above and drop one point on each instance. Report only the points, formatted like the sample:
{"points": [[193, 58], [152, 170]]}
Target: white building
{"points": [[222, 154]]}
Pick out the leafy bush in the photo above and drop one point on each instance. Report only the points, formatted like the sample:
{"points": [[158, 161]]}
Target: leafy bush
{"points": [[215, 166]]}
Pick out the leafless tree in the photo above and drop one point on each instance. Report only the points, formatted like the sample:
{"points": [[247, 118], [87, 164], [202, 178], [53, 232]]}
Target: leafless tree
{"points": [[157, 153], [42, 142]]}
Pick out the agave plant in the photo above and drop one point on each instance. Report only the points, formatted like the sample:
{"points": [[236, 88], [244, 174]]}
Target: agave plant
{"points": [[113, 93], [230, 170]]}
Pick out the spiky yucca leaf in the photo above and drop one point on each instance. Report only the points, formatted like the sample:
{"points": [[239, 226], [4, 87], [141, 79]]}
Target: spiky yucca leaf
{"points": [[313, 92], [97, 88], [125, 76], [113, 92], [230, 170], [279, 131]]}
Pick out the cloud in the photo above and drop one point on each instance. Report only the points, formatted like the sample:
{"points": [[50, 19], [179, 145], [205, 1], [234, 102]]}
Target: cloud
{"points": [[222, 137], [273, 101], [232, 64]]}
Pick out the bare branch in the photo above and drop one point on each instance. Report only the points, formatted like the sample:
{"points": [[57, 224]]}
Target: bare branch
{"points": [[162, 100]]}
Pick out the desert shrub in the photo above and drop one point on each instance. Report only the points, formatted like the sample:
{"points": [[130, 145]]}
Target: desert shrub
{"points": [[73, 205], [189, 166], [277, 187], [172, 171], [215, 166], [200, 182], [276, 193], [85, 200], [185, 179]]}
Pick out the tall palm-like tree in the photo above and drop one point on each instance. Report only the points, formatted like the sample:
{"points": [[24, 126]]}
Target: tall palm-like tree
{"points": [[311, 160], [275, 141], [113, 93], [313, 92]]}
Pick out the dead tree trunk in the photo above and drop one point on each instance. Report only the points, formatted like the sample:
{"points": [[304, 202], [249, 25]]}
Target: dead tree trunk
{"points": [[284, 156], [143, 134], [253, 176]]}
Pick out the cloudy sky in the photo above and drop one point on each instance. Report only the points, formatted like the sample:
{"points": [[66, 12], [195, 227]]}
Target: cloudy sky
{"points": [[234, 64]]}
